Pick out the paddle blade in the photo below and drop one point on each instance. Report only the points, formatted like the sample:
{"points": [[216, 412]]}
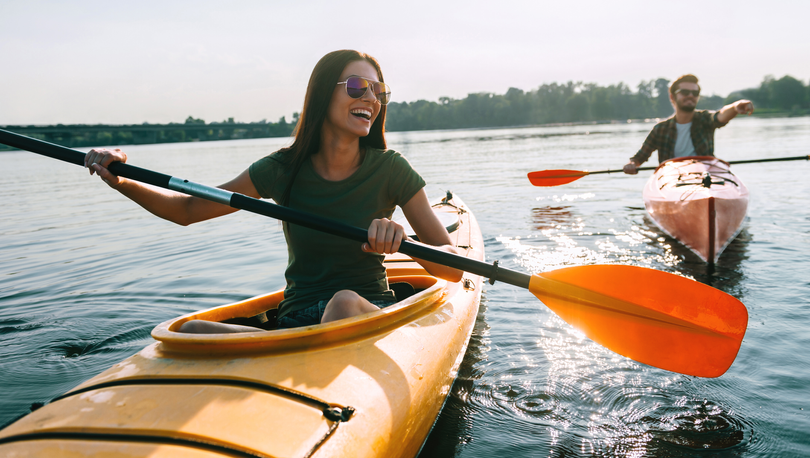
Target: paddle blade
{"points": [[555, 177], [653, 317]]}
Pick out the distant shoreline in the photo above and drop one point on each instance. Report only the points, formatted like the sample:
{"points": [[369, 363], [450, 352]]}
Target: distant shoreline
{"points": [[549, 105], [72, 131], [242, 131]]}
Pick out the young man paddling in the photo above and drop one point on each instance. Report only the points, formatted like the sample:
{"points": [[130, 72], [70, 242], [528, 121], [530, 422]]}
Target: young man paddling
{"points": [[688, 132]]}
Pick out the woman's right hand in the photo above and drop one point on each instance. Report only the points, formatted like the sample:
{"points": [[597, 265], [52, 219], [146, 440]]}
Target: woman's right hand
{"points": [[97, 160], [384, 236]]}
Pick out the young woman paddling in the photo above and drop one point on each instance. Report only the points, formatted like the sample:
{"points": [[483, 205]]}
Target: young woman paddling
{"points": [[339, 167]]}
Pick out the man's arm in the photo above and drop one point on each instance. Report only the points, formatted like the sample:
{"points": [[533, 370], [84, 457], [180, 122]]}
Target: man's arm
{"points": [[728, 112], [650, 145]]}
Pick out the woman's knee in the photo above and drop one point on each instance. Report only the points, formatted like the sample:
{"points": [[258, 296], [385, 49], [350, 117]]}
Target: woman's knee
{"points": [[345, 298], [346, 303]]}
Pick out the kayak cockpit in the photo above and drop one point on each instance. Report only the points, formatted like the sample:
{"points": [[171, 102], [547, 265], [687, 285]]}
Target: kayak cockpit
{"points": [[419, 295], [429, 294]]}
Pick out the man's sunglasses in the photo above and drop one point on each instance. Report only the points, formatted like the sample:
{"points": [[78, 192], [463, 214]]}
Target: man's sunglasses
{"points": [[686, 92], [357, 86]]}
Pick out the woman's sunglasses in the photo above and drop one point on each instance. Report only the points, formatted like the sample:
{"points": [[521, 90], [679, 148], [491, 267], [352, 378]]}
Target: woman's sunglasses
{"points": [[357, 86], [686, 92]]}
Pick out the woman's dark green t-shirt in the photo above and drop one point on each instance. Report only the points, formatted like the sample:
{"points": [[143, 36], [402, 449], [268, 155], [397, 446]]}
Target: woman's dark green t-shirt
{"points": [[319, 264]]}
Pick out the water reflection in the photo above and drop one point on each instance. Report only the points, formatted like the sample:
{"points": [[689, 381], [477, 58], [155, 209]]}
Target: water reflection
{"points": [[697, 425], [587, 399], [574, 397], [726, 274], [530, 385], [551, 217], [453, 428], [405, 138]]}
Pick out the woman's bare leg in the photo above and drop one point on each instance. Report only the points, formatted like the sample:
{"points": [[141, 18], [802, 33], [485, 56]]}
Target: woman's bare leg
{"points": [[345, 304], [213, 327]]}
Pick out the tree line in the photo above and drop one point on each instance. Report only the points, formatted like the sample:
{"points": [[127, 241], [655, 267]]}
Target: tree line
{"points": [[83, 135], [581, 102], [786, 94], [570, 102]]}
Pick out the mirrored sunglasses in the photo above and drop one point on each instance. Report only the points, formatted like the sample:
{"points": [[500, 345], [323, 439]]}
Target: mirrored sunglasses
{"points": [[686, 92], [357, 86]]}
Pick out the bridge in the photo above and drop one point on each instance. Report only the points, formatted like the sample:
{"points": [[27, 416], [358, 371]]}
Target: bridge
{"points": [[79, 135]]}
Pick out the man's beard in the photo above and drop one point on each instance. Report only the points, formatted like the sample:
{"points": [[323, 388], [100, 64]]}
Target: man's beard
{"points": [[687, 109]]}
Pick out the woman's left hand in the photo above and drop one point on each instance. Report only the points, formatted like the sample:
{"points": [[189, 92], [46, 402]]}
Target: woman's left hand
{"points": [[384, 236]]}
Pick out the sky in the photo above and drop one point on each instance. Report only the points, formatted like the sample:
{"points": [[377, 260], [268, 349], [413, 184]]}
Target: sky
{"points": [[117, 62]]}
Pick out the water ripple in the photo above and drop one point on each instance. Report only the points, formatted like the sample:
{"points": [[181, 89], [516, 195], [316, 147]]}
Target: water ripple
{"points": [[82, 285]]}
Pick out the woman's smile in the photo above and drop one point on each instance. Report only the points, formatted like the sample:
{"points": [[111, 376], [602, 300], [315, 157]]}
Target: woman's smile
{"points": [[353, 116], [363, 112]]}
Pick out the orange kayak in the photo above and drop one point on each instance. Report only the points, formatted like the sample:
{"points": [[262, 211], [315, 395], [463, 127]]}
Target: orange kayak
{"points": [[367, 386], [698, 201]]}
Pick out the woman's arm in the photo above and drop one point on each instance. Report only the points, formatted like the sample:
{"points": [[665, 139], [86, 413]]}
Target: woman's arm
{"points": [[385, 236], [170, 205]]}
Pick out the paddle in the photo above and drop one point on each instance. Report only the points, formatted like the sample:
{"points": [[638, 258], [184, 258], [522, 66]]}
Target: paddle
{"points": [[561, 177], [653, 317]]}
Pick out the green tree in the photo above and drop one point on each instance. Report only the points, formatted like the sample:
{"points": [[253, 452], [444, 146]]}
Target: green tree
{"points": [[710, 102], [600, 104], [788, 93], [761, 96], [645, 97], [577, 108], [663, 106]]}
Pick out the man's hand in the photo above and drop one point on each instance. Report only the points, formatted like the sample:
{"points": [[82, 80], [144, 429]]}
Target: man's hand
{"points": [[744, 106], [728, 112], [630, 168]]}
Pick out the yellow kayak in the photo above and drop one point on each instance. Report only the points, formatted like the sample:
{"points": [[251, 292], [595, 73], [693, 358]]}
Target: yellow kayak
{"points": [[367, 386]]}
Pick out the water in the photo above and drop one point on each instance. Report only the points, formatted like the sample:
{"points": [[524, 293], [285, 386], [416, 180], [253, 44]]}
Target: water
{"points": [[85, 275]]}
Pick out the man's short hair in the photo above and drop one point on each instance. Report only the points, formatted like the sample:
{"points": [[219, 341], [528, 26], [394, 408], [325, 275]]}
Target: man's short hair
{"points": [[688, 78]]}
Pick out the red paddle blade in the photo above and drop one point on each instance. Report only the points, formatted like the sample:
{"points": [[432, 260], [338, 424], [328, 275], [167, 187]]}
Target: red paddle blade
{"points": [[653, 317], [555, 177]]}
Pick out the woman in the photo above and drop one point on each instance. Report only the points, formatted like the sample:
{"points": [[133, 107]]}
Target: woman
{"points": [[337, 167]]}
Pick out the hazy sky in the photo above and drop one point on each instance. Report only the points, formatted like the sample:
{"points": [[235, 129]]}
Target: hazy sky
{"points": [[147, 61]]}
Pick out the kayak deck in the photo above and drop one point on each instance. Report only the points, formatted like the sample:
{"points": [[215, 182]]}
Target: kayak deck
{"points": [[370, 385], [698, 201]]}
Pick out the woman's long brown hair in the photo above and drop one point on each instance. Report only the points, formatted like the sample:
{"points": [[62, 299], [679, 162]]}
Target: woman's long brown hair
{"points": [[321, 85]]}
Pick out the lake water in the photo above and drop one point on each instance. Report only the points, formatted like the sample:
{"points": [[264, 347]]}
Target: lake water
{"points": [[85, 275]]}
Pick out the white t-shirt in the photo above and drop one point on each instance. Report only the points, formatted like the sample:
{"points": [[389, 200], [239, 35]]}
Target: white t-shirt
{"points": [[683, 144]]}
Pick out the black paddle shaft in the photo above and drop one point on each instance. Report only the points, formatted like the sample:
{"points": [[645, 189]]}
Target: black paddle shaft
{"points": [[747, 161], [243, 202]]}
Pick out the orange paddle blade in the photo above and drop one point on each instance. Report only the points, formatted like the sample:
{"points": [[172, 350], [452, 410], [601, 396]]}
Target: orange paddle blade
{"points": [[555, 177], [653, 317]]}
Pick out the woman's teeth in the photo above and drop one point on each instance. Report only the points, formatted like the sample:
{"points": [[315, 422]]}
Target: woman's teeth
{"points": [[365, 114]]}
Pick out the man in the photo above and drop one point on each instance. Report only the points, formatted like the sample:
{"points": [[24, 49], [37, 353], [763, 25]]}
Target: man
{"points": [[688, 132]]}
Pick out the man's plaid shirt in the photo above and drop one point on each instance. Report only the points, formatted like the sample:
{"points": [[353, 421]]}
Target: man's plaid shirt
{"points": [[663, 136]]}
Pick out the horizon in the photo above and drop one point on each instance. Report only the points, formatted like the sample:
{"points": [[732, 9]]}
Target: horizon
{"points": [[232, 120], [162, 62]]}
